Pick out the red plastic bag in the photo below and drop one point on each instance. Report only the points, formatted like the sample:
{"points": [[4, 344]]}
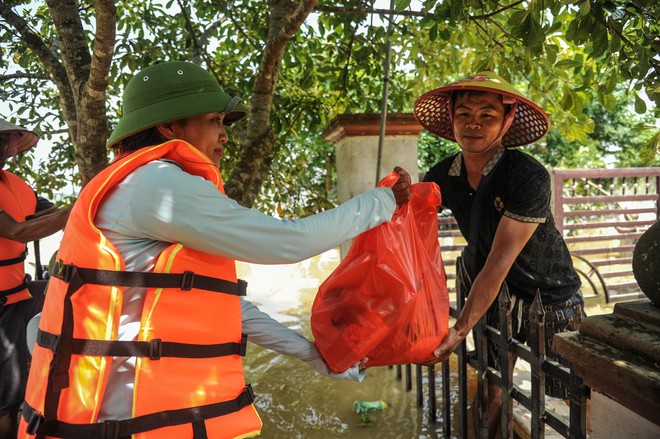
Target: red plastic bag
{"points": [[387, 300]]}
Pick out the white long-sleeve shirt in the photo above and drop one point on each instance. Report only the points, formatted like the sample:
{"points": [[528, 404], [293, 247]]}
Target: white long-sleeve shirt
{"points": [[160, 204]]}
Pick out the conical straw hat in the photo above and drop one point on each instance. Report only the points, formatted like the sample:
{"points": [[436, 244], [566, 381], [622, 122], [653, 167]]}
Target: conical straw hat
{"points": [[433, 108], [21, 141]]}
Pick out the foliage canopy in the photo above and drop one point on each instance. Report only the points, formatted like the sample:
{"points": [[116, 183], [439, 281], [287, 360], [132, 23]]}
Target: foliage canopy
{"points": [[300, 63]]}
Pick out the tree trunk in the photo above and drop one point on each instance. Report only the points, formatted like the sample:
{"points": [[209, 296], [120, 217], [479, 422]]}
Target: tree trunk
{"points": [[87, 79], [246, 178]]}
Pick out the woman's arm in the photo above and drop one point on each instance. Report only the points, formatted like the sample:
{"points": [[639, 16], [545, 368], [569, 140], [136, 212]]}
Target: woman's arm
{"points": [[268, 333]]}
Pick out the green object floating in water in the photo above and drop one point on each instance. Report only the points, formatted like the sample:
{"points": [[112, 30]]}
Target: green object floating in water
{"points": [[363, 408]]}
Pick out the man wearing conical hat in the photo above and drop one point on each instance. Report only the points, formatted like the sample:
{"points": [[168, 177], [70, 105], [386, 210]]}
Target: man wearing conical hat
{"points": [[500, 198], [24, 217]]}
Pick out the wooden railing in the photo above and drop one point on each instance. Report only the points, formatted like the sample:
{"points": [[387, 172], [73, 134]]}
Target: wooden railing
{"points": [[601, 213]]}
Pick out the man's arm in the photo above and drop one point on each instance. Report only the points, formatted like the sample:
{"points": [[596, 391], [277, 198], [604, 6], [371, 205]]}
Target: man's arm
{"points": [[32, 229], [510, 238]]}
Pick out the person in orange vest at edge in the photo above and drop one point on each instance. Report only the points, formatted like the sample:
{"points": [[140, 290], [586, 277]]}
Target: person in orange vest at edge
{"points": [[144, 325], [500, 198], [24, 217]]}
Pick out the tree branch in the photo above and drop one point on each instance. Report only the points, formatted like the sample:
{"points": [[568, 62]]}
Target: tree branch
{"points": [[47, 58], [73, 44], [104, 43], [13, 76], [285, 19], [350, 10]]}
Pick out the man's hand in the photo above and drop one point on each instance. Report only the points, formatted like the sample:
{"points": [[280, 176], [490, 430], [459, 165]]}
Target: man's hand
{"points": [[401, 188], [448, 345]]}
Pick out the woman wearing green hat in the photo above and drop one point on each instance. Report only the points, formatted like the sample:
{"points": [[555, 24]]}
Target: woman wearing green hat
{"points": [[24, 217], [500, 198], [145, 305]]}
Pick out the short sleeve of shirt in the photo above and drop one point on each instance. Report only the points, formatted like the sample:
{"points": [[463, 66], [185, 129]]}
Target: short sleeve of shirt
{"points": [[438, 174], [528, 189], [43, 204]]}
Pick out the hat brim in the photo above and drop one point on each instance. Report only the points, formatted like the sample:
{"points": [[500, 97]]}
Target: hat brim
{"points": [[25, 140], [433, 109], [175, 109]]}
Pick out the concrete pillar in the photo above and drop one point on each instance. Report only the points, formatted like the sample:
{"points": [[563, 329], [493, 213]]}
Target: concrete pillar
{"points": [[355, 137]]}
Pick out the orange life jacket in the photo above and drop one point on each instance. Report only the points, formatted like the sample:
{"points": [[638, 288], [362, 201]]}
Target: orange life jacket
{"points": [[19, 201], [189, 372]]}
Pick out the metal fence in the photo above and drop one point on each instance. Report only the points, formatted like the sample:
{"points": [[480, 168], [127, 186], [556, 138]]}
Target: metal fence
{"points": [[601, 214], [533, 400]]}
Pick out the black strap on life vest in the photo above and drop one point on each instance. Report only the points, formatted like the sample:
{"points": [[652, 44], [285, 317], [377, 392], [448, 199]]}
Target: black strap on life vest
{"points": [[10, 291], [37, 424], [18, 288], [12, 261], [76, 277], [184, 281], [154, 349]]}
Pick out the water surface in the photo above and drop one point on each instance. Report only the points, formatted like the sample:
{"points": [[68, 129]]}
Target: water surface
{"points": [[296, 402]]}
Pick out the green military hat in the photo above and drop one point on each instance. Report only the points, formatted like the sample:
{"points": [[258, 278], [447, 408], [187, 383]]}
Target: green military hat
{"points": [[169, 91]]}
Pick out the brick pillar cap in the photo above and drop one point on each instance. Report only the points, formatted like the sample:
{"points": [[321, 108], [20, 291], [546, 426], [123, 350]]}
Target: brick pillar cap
{"points": [[368, 124]]}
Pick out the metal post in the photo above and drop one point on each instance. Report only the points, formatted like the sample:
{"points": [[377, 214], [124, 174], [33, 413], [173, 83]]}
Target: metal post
{"points": [[461, 291], [506, 360], [432, 405], [446, 400], [420, 390], [537, 346], [578, 407], [481, 345], [408, 377], [386, 84]]}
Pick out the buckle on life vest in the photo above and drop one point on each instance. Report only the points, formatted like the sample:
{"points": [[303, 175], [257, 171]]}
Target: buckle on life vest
{"points": [[64, 271], [110, 430], [187, 280], [243, 349], [155, 349], [32, 418], [250, 392]]}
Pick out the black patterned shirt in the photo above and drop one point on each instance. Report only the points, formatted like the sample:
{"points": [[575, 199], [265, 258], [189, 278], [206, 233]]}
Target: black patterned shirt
{"points": [[520, 189]]}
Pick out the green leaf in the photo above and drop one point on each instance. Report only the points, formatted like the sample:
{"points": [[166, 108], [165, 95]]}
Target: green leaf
{"points": [[599, 41], [567, 101], [402, 5], [456, 8], [640, 105], [551, 51], [445, 34], [568, 63], [584, 8]]}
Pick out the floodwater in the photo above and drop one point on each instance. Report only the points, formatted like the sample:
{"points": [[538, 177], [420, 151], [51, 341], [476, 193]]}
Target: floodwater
{"points": [[296, 402]]}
